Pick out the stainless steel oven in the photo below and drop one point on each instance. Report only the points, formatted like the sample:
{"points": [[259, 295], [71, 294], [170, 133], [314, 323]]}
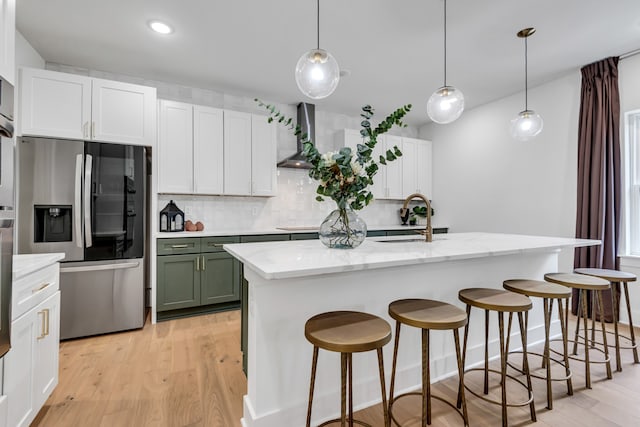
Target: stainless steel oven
{"points": [[7, 214]]}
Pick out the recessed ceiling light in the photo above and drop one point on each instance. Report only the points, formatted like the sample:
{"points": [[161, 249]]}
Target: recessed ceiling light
{"points": [[160, 27]]}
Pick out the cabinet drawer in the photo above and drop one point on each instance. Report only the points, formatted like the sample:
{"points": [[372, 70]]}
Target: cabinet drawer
{"points": [[178, 246], [214, 244], [264, 238], [304, 236], [32, 289]]}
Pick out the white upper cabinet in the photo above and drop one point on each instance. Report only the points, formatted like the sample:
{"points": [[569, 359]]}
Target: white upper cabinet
{"points": [[175, 148], [393, 170], [123, 112], [208, 150], [54, 104], [64, 105], [237, 153], [416, 167], [263, 157], [8, 40], [424, 168]]}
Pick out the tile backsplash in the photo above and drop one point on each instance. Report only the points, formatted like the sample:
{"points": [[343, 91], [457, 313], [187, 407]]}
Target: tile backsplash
{"points": [[294, 206]]}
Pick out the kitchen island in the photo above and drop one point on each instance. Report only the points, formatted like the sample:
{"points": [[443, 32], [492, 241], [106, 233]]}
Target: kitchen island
{"points": [[289, 282]]}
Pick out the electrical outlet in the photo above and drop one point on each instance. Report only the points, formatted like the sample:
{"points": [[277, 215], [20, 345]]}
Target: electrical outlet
{"points": [[187, 211]]}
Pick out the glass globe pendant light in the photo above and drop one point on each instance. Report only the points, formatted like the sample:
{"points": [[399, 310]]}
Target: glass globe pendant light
{"points": [[447, 103], [527, 124], [317, 71]]}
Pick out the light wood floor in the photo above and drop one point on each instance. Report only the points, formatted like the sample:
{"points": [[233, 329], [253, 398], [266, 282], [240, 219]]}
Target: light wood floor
{"points": [[188, 372]]}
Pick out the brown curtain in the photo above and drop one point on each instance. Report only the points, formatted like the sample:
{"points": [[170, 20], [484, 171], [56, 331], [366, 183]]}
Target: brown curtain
{"points": [[598, 208]]}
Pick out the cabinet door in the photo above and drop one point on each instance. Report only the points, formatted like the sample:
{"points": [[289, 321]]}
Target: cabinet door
{"points": [[409, 166], [7, 40], [20, 366], [54, 104], [47, 346], [393, 169], [237, 153], [220, 278], [263, 157], [175, 148], [424, 168], [178, 281], [208, 150], [123, 113]]}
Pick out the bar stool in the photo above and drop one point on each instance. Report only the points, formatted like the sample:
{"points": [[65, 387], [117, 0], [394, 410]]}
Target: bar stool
{"points": [[548, 292], [617, 278], [427, 315], [583, 284], [501, 302], [347, 332]]}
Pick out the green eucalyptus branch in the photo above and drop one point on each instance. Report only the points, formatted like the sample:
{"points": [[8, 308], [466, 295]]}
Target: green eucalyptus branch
{"points": [[344, 175]]}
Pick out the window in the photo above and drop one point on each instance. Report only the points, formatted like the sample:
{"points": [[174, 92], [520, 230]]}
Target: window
{"points": [[631, 184]]}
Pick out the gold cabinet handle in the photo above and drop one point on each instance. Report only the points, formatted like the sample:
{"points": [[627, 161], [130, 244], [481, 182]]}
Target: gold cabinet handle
{"points": [[204, 264], [84, 129], [179, 246], [44, 285], [43, 325], [46, 311], [93, 130], [216, 245], [197, 263]]}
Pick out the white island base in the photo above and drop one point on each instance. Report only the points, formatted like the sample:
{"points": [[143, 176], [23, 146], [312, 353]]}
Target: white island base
{"points": [[289, 282]]}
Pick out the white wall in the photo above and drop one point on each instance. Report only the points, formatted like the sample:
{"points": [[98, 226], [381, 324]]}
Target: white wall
{"points": [[484, 180], [26, 55]]}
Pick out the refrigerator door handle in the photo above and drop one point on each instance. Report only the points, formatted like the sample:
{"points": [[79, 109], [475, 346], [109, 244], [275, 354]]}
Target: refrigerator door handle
{"points": [[77, 203], [88, 165], [120, 266]]}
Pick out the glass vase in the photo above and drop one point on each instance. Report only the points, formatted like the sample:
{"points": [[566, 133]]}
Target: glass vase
{"points": [[343, 229]]}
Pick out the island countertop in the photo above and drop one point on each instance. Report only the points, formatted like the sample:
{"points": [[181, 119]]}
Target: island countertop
{"points": [[279, 260]]}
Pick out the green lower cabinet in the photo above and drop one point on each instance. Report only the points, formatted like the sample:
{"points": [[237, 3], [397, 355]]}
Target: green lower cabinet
{"points": [[220, 278], [178, 282]]}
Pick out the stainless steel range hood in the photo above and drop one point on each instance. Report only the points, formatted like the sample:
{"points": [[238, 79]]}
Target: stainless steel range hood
{"points": [[307, 122]]}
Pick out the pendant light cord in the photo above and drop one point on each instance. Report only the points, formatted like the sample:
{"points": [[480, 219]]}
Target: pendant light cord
{"points": [[445, 42], [318, 23], [526, 76]]}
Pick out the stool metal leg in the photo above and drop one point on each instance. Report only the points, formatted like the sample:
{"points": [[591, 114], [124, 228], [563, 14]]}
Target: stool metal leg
{"points": [[394, 363], [343, 389], [546, 362], [583, 300], [633, 335], [426, 380], [350, 382], [565, 346], [465, 415], [314, 365], [614, 301], [486, 350], [464, 356], [503, 370], [594, 305], [604, 334], [523, 336], [385, 407], [579, 314]]}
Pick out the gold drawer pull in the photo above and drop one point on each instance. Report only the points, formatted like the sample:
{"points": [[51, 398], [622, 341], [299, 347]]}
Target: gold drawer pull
{"points": [[44, 285], [179, 246], [43, 326], [216, 245]]}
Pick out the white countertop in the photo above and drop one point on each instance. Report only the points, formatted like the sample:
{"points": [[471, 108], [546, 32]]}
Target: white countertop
{"points": [[276, 230], [26, 264], [279, 260]]}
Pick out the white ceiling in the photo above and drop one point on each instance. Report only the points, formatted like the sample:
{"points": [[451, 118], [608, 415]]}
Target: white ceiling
{"points": [[393, 48]]}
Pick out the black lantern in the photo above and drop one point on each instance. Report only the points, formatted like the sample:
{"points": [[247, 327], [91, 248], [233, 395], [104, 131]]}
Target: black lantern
{"points": [[171, 218]]}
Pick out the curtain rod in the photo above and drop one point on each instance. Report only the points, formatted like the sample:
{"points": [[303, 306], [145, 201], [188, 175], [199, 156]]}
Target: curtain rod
{"points": [[628, 54]]}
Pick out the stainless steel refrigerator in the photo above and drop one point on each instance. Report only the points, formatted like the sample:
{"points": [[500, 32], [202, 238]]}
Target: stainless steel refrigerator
{"points": [[7, 215], [87, 199]]}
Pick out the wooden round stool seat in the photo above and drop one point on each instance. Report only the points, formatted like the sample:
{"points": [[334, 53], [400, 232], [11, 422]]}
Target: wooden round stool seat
{"points": [[537, 288], [347, 331], [495, 300], [586, 284], [619, 281], [427, 314], [578, 281], [610, 275]]}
